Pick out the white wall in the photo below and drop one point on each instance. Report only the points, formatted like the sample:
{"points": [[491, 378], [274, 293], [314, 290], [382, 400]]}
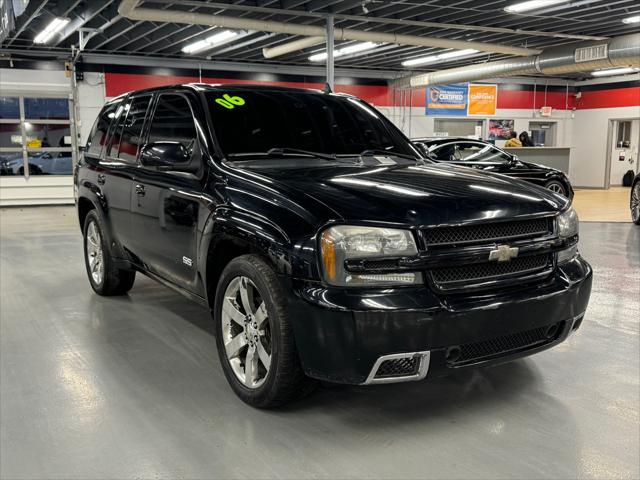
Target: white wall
{"points": [[588, 164], [91, 98], [421, 125]]}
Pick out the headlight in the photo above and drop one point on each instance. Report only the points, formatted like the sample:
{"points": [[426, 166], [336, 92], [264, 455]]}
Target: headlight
{"points": [[568, 223], [568, 228], [341, 243]]}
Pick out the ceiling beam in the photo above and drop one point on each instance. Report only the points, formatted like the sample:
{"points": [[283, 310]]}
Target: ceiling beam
{"points": [[25, 23], [93, 9]]}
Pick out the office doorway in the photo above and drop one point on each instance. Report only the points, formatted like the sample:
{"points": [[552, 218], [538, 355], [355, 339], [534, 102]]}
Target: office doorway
{"points": [[624, 143]]}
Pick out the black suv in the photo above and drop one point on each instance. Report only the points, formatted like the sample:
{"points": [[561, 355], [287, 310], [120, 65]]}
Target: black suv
{"points": [[486, 156], [325, 246]]}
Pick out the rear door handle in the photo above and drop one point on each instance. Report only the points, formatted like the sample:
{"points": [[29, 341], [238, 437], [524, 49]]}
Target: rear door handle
{"points": [[140, 190], [101, 178]]}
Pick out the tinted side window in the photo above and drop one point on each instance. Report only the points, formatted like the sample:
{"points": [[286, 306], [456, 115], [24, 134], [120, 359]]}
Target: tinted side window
{"points": [[478, 152], [136, 110], [445, 153], [173, 122], [98, 136], [116, 131]]}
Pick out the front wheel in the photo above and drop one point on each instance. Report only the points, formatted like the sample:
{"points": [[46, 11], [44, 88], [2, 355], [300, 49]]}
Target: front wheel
{"points": [[254, 335], [104, 277], [635, 204], [556, 187]]}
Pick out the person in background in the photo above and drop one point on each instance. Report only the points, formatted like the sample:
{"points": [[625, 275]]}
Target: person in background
{"points": [[525, 140], [513, 141]]}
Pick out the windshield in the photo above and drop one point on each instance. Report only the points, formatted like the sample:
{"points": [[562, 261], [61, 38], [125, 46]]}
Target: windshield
{"points": [[247, 121], [468, 152]]}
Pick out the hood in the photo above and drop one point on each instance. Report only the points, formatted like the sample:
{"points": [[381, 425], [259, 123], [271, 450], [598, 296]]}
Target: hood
{"points": [[415, 195], [536, 167]]}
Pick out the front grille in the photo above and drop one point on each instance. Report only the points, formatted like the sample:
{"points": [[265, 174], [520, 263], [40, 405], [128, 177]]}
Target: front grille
{"points": [[400, 367], [501, 346], [380, 264], [500, 231], [467, 275]]}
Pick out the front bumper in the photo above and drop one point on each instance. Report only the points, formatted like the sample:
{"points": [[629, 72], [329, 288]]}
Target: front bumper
{"points": [[342, 334]]}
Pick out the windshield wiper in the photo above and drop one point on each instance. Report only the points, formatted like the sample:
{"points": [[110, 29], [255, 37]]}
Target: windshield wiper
{"points": [[286, 150], [279, 151], [379, 151]]}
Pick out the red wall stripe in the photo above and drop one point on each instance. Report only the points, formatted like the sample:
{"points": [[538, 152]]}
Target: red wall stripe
{"points": [[380, 95], [526, 99], [619, 97], [118, 83]]}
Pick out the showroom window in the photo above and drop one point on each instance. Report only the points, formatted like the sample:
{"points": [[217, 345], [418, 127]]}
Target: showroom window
{"points": [[35, 136]]}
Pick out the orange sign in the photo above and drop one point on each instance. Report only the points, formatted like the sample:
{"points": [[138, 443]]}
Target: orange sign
{"points": [[483, 100]]}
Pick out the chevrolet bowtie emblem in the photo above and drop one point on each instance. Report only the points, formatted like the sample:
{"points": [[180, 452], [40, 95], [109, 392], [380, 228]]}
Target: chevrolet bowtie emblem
{"points": [[503, 253]]}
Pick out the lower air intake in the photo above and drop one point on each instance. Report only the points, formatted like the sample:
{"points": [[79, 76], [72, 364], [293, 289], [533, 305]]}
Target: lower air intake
{"points": [[399, 367], [502, 346]]}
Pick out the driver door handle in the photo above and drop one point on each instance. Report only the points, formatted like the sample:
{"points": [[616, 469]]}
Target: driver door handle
{"points": [[140, 190]]}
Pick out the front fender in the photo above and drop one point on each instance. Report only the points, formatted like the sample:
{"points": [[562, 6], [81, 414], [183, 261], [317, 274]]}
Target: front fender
{"points": [[247, 232]]}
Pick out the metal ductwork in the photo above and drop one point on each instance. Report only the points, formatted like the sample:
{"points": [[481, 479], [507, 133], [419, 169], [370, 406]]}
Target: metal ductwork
{"points": [[621, 51], [128, 9], [295, 46]]}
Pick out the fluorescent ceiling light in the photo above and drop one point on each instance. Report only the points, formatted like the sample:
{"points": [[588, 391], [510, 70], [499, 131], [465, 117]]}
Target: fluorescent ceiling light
{"points": [[438, 58], [634, 19], [354, 48], [614, 71], [531, 5], [210, 42], [54, 27]]}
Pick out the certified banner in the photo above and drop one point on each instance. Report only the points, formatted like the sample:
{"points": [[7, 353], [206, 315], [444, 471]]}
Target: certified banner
{"points": [[447, 100], [483, 100]]}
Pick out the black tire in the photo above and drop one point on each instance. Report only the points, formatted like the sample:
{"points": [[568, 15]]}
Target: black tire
{"points": [[114, 281], [557, 187], [285, 380]]}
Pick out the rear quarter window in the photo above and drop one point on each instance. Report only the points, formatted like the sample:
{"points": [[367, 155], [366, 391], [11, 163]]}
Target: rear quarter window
{"points": [[99, 133]]}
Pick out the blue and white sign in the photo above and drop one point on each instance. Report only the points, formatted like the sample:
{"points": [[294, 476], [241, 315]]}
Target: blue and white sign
{"points": [[447, 99]]}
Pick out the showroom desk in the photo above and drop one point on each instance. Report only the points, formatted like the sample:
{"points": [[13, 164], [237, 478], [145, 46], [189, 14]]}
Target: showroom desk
{"points": [[554, 157]]}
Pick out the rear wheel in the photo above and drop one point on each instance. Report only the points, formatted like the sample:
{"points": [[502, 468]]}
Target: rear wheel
{"points": [[635, 204], [556, 187], [104, 277], [254, 336]]}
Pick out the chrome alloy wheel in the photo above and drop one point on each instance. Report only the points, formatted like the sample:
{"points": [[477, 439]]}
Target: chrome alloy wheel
{"points": [[95, 256], [635, 203], [246, 332], [556, 188]]}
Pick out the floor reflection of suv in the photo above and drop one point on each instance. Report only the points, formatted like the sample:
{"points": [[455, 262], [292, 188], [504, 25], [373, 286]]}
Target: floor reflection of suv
{"points": [[485, 156], [325, 246]]}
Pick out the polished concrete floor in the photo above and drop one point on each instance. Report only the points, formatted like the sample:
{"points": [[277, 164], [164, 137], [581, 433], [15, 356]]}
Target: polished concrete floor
{"points": [[131, 387]]}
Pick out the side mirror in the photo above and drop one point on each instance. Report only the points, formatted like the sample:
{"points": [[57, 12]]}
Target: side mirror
{"points": [[167, 156]]}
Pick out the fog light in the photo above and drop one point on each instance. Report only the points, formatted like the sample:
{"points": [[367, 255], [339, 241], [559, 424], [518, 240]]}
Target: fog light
{"points": [[568, 254]]}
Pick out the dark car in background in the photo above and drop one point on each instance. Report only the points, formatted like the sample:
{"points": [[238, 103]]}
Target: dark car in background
{"points": [[486, 156], [634, 201], [324, 245]]}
